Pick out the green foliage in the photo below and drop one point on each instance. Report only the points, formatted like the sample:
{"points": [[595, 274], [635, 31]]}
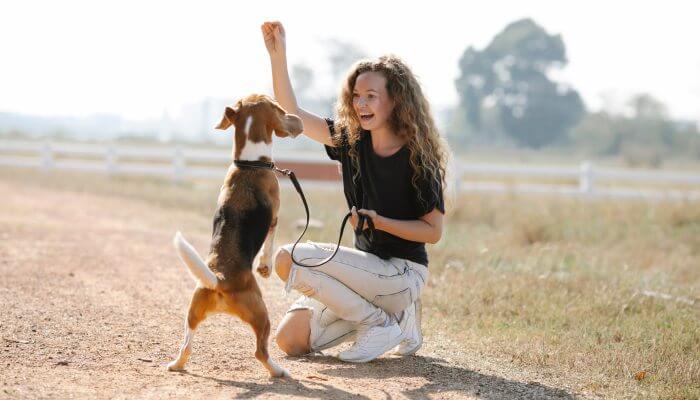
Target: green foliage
{"points": [[643, 137], [596, 134], [510, 76]]}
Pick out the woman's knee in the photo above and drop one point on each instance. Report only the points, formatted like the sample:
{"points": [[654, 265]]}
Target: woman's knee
{"points": [[293, 333], [283, 263]]}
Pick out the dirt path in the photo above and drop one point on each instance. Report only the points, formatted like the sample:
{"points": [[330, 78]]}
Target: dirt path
{"points": [[93, 301]]}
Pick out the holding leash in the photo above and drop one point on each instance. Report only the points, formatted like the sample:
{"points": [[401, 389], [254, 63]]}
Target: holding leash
{"points": [[290, 174]]}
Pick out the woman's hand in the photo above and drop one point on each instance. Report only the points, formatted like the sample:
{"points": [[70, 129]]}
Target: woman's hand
{"points": [[275, 38], [371, 214]]}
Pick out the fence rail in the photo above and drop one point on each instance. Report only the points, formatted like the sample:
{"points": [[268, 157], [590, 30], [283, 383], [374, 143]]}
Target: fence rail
{"points": [[180, 163]]}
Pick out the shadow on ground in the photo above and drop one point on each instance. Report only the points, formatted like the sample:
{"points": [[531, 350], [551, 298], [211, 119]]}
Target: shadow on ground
{"points": [[441, 378], [286, 387]]}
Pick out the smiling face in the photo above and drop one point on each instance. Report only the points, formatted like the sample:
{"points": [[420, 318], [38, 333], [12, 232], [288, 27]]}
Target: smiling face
{"points": [[371, 101]]}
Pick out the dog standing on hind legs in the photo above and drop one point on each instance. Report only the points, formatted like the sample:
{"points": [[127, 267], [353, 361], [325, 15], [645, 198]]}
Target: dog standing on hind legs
{"points": [[245, 221]]}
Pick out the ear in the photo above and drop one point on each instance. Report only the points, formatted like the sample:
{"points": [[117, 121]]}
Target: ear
{"points": [[286, 124], [228, 119], [290, 125]]}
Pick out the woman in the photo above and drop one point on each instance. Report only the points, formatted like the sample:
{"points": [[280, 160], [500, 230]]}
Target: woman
{"points": [[393, 165]]}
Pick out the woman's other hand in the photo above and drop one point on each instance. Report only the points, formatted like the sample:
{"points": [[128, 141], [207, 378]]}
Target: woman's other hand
{"points": [[371, 214], [275, 38]]}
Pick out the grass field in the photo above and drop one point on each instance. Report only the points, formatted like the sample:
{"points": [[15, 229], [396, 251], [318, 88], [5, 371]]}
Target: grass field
{"points": [[601, 295], [557, 285]]}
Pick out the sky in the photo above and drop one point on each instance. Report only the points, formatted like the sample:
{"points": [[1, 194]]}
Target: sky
{"points": [[140, 59]]}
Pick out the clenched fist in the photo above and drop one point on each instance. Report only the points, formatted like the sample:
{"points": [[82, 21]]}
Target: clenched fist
{"points": [[275, 39]]}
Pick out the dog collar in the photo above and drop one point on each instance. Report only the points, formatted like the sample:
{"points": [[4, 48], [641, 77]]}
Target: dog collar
{"points": [[254, 164]]}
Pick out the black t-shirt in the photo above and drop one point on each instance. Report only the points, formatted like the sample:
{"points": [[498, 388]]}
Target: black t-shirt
{"points": [[384, 185]]}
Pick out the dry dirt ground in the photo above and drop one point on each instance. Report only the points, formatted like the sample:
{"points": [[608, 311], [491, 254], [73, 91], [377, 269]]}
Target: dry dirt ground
{"points": [[93, 301]]}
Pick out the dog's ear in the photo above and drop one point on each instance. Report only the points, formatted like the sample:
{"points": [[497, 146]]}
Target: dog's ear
{"points": [[286, 124], [291, 125], [228, 119]]}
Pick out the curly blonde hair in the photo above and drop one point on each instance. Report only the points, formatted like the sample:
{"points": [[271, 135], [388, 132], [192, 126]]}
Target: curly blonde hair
{"points": [[411, 119]]}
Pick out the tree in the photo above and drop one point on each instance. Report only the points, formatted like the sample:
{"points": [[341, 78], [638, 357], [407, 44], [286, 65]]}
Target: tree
{"points": [[512, 75], [644, 106], [643, 136]]}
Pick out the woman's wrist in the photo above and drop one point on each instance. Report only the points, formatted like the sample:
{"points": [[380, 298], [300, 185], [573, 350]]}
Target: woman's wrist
{"points": [[279, 59], [379, 222]]}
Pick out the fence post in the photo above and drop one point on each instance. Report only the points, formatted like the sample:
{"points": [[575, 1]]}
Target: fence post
{"points": [[111, 159], [46, 156], [586, 178], [178, 165]]}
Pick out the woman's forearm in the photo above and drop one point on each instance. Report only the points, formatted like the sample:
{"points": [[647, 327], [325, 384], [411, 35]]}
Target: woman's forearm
{"points": [[282, 85], [416, 230]]}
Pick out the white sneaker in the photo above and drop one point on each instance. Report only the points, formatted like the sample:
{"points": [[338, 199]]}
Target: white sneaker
{"points": [[410, 326], [372, 342]]}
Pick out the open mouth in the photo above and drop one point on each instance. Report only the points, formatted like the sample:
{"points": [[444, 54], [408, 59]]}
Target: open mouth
{"points": [[366, 117]]}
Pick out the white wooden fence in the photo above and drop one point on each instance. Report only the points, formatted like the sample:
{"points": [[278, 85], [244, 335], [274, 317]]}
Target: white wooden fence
{"points": [[180, 163]]}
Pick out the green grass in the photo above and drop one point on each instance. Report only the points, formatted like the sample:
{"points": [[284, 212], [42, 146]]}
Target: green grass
{"points": [[549, 285], [555, 285]]}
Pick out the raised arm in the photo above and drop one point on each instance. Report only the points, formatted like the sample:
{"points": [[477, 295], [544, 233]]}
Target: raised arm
{"points": [[315, 127]]}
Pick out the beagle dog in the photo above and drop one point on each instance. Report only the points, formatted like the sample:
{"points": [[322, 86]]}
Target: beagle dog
{"points": [[246, 216]]}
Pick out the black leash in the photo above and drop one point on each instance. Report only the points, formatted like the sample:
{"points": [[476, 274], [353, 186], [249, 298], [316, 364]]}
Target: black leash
{"points": [[290, 174]]}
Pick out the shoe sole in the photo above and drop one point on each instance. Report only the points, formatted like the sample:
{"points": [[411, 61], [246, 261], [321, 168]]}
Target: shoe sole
{"points": [[410, 352], [395, 342]]}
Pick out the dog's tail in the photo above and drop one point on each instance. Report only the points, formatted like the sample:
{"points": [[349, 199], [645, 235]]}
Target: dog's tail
{"points": [[197, 267]]}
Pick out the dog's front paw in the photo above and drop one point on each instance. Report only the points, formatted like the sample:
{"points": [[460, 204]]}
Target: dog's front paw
{"points": [[264, 270]]}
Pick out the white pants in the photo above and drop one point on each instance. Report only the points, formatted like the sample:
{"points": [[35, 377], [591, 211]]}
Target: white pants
{"points": [[355, 287]]}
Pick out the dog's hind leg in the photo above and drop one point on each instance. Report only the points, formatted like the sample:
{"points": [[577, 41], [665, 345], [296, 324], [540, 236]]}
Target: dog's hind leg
{"points": [[200, 304], [250, 308]]}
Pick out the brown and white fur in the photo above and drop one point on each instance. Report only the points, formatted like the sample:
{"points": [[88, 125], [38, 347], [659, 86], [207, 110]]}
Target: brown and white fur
{"points": [[246, 216]]}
